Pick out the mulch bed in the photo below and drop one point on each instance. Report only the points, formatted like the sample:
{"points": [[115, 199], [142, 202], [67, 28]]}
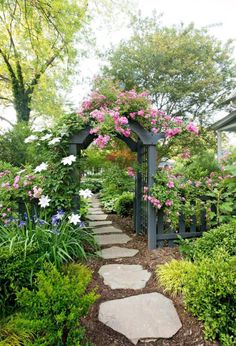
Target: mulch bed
{"points": [[191, 333]]}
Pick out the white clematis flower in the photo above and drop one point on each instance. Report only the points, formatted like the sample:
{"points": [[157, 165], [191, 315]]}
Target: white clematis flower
{"points": [[54, 140], [68, 160], [85, 193], [42, 167], [46, 137], [74, 218], [44, 201], [30, 139]]}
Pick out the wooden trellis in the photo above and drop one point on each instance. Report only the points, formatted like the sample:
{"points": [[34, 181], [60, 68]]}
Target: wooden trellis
{"points": [[145, 147]]}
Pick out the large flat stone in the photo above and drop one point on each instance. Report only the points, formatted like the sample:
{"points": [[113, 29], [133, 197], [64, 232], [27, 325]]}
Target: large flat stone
{"points": [[124, 276], [99, 223], [141, 317], [96, 217], [117, 252], [109, 239], [107, 229]]}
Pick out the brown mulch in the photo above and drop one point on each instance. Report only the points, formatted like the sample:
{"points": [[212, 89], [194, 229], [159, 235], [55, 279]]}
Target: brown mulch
{"points": [[191, 333]]}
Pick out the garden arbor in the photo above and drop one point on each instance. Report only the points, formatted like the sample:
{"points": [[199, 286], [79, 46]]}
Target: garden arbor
{"points": [[145, 147]]}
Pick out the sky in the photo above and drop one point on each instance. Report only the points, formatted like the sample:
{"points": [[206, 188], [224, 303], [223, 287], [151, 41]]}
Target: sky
{"points": [[201, 12]]}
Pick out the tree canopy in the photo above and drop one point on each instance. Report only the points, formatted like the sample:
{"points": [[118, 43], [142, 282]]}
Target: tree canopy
{"points": [[186, 70], [35, 35]]}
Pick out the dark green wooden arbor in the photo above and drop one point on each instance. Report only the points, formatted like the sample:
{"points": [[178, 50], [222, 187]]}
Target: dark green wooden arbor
{"points": [[145, 147]]}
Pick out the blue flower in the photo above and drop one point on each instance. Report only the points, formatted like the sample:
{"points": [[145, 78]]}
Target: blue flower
{"points": [[22, 223], [55, 220], [40, 221], [60, 214]]}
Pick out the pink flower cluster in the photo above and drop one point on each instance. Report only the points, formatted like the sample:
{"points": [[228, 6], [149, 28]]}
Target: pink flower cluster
{"points": [[154, 201], [102, 141], [173, 132], [192, 128], [99, 109], [131, 172]]}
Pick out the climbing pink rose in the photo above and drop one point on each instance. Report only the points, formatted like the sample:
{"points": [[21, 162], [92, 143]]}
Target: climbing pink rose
{"points": [[37, 191], [171, 184], [131, 172], [169, 203], [192, 128]]}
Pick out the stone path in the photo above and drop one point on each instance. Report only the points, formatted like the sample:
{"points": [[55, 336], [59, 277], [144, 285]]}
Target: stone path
{"points": [[139, 317]]}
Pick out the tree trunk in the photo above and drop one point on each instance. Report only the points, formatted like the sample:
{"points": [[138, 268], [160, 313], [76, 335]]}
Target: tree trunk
{"points": [[22, 101]]}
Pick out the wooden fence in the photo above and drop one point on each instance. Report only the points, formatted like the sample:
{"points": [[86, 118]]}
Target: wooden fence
{"points": [[193, 227]]}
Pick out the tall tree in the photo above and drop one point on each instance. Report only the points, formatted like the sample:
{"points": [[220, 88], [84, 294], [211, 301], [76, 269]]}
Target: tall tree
{"points": [[35, 36], [187, 71]]}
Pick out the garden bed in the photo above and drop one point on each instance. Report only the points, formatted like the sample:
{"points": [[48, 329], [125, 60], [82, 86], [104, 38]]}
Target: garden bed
{"points": [[190, 334]]}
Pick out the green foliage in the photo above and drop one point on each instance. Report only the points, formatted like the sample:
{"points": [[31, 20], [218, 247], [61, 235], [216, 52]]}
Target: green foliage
{"points": [[115, 182], [223, 236], [53, 309], [210, 294], [13, 335], [184, 68], [198, 166], [18, 264], [173, 275], [124, 204], [35, 36], [209, 291], [57, 244], [94, 184], [12, 146]]}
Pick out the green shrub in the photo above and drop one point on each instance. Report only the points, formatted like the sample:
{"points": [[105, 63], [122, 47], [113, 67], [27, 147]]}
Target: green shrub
{"points": [[172, 275], [13, 335], [93, 184], [124, 204], [53, 309], [108, 203], [223, 236], [18, 264], [209, 292]]}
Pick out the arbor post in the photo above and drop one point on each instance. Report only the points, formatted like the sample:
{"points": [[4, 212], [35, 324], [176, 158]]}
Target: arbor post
{"points": [[138, 192], [152, 167]]}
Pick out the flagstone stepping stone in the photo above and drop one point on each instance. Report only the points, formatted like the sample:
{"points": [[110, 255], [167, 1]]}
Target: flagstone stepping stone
{"points": [[127, 276], [99, 223], [109, 239], [97, 217], [107, 229], [95, 209], [95, 205], [141, 317], [117, 252], [96, 212]]}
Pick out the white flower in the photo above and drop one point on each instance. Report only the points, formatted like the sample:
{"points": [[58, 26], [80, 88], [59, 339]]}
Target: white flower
{"points": [[54, 140], [44, 201], [64, 130], [45, 137], [42, 167], [68, 160], [31, 139], [85, 193], [74, 218]]}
